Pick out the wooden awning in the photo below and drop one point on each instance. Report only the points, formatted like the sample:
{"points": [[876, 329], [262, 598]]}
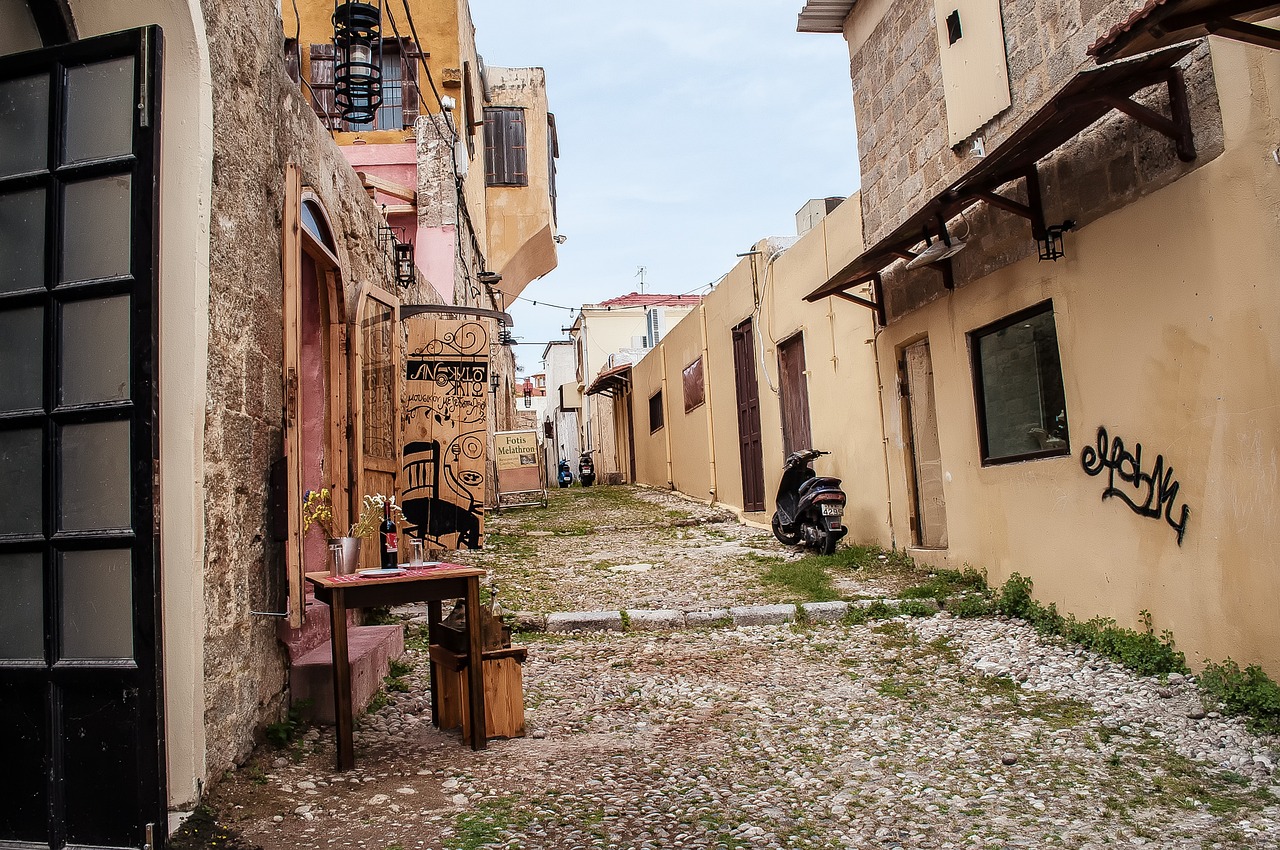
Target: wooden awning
{"points": [[610, 382], [1083, 101], [1162, 23]]}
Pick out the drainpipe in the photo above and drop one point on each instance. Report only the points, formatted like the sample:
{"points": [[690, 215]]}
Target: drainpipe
{"points": [[884, 435], [711, 424], [666, 417]]}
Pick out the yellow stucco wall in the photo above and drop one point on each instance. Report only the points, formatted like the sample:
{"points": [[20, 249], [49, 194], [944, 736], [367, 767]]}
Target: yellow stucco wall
{"points": [[844, 411], [1167, 318]]}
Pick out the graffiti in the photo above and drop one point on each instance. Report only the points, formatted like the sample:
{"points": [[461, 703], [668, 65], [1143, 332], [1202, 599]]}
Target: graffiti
{"points": [[1149, 494], [445, 411]]}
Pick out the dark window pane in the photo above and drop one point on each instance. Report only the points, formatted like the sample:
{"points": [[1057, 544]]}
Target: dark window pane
{"points": [[1020, 375], [22, 626], [99, 110], [95, 229], [21, 464], [24, 125], [95, 350], [24, 783], [97, 605], [22, 241], [101, 739], [21, 359], [391, 113], [95, 476], [655, 411]]}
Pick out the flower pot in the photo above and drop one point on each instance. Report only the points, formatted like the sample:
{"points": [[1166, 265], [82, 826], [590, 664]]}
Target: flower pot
{"points": [[350, 548]]}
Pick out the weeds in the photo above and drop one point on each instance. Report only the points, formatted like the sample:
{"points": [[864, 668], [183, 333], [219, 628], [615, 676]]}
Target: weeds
{"points": [[283, 733], [1250, 692], [806, 579]]}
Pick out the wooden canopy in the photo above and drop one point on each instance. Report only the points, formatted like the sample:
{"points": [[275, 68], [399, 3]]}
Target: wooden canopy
{"points": [[1161, 23], [1086, 99], [611, 381]]}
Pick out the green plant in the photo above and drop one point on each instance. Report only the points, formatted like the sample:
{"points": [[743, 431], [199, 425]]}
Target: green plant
{"points": [[626, 619], [806, 579], [916, 608], [282, 733], [398, 668], [1249, 692], [969, 605]]}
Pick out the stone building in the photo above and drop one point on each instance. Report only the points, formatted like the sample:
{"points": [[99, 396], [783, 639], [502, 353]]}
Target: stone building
{"points": [[191, 280], [1069, 227]]}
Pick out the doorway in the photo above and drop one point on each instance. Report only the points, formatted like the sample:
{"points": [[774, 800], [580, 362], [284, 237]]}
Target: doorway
{"points": [[794, 395], [80, 689], [928, 502], [750, 447]]}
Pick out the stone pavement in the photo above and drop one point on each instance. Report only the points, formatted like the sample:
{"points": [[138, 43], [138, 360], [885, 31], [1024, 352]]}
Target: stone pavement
{"points": [[929, 732]]}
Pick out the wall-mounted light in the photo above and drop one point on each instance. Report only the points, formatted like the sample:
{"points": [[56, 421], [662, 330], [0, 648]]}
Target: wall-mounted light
{"points": [[1051, 242], [404, 263], [357, 72], [489, 278], [494, 380]]}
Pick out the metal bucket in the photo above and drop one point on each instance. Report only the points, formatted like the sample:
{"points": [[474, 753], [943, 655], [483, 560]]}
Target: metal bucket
{"points": [[349, 548]]}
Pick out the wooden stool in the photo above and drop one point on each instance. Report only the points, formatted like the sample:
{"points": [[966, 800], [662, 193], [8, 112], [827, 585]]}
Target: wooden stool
{"points": [[503, 691]]}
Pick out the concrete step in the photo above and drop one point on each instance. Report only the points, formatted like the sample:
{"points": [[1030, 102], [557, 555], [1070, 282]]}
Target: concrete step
{"points": [[314, 631], [370, 649]]}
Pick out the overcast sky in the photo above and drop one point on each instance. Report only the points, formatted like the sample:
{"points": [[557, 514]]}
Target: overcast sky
{"points": [[689, 129]]}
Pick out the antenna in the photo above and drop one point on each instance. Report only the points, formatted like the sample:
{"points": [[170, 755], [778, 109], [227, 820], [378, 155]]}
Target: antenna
{"points": [[640, 270]]}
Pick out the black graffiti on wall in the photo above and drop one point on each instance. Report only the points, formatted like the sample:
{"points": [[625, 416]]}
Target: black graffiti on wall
{"points": [[1149, 494]]}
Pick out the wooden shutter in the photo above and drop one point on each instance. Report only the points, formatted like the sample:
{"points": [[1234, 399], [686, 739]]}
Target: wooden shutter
{"points": [[506, 156], [409, 93], [291, 257], [322, 85], [794, 386]]}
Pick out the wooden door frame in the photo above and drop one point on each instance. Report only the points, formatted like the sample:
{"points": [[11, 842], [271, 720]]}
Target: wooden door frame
{"points": [[788, 439], [355, 394], [743, 329]]}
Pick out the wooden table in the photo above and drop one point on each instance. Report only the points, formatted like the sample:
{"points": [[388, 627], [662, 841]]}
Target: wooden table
{"points": [[431, 585]]}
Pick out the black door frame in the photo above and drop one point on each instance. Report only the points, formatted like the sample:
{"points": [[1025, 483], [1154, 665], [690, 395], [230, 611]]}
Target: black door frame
{"points": [[70, 691]]}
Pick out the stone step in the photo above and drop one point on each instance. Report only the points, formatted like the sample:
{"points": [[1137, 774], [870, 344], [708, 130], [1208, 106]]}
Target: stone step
{"points": [[370, 649]]}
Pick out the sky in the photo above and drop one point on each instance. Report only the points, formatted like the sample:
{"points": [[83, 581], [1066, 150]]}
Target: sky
{"points": [[689, 130]]}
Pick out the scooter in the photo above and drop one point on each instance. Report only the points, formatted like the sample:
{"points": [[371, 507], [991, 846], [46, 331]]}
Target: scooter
{"points": [[586, 470], [809, 507], [563, 475]]}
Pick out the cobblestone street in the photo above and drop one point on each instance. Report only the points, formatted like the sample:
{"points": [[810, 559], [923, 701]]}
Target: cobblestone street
{"points": [[878, 730]]}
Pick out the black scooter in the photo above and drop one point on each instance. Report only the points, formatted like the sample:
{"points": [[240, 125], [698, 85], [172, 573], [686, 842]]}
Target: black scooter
{"points": [[586, 470], [809, 507], [563, 476]]}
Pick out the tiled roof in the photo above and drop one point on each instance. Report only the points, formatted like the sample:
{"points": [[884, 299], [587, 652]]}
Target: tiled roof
{"points": [[636, 299], [1136, 17]]}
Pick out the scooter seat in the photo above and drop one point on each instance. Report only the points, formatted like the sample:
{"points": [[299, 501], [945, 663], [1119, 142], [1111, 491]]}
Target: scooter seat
{"points": [[821, 483]]}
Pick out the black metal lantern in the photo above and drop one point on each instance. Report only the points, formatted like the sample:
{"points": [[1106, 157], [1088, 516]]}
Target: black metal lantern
{"points": [[357, 72], [404, 263], [1051, 242], [494, 380]]}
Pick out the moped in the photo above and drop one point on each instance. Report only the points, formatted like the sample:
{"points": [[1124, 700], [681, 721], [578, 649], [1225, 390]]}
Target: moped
{"points": [[563, 476], [586, 470], [809, 507]]}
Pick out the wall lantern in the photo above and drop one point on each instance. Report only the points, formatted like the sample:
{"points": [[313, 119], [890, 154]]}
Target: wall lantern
{"points": [[1051, 242], [494, 380], [357, 73], [404, 263]]}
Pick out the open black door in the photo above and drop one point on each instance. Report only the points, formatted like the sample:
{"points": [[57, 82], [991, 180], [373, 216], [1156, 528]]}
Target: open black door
{"points": [[80, 687]]}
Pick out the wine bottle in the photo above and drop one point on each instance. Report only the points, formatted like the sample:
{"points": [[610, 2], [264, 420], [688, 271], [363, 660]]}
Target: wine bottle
{"points": [[390, 545]]}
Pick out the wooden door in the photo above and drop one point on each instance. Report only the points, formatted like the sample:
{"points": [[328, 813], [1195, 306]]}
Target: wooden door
{"points": [[751, 451], [377, 417], [930, 525], [80, 671], [794, 396]]}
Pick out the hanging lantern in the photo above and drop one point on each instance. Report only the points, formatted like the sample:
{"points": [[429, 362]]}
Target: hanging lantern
{"points": [[1051, 247], [404, 263], [357, 73]]}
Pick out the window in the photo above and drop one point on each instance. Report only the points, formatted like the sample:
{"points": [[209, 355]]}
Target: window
{"points": [[391, 112], [694, 389], [1022, 409], [506, 156], [399, 109], [655, 411]]}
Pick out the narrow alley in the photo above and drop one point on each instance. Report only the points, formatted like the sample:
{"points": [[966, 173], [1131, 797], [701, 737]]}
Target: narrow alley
{"points": [[867, 718]]}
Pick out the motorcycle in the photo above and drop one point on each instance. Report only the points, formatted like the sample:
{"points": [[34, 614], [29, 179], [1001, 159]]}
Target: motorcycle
{"points": [[563, 476], [809, 506], [586, 470]]}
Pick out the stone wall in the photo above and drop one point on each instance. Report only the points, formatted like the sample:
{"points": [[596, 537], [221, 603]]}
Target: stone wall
{"points": [[905, 159], [261, 122]]}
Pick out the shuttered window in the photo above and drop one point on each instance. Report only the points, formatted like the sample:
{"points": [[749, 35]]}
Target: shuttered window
{"points": [[399, 108], [506, 156]]}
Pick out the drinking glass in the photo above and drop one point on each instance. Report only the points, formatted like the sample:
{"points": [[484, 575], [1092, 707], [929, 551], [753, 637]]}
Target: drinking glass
{"points": [[415, 553], [336, 562]]}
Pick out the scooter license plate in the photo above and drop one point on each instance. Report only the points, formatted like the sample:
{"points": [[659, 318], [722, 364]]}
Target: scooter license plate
{"points": [[831, 509]]}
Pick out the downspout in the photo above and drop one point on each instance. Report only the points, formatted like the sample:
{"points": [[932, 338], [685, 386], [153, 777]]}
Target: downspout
{"points": [[711, 424], [666, 418], [884, 434]]}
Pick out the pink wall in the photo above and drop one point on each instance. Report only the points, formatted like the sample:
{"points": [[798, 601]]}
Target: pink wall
{"points": [[311, 391]]}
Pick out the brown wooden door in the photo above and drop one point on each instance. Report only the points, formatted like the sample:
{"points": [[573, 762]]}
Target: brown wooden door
{"points": [[930, 525], [751, 451], [794, 396], [377, 415]]}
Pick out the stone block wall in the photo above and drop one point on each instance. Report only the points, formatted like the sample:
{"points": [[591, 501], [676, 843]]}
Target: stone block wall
{"points": [[261, 122], [901, 110]]}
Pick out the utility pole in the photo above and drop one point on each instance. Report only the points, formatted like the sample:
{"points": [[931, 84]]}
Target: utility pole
{"points": [[640, 270]]}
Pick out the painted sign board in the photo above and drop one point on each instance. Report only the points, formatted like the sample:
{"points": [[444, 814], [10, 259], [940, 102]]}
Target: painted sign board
{"points": [[517, 454], [444, 454]]}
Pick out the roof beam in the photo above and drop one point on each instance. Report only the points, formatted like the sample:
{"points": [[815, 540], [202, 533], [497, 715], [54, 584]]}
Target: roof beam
{"points": [[1248, 33], [1202, 17]]}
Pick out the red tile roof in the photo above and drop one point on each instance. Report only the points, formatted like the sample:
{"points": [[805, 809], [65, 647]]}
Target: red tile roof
{"points": [[1137, 16], [636, 299]]}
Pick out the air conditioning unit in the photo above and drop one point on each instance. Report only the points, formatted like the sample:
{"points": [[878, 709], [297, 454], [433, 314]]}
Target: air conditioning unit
{"points": [[639, 342], [655, 326]]}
